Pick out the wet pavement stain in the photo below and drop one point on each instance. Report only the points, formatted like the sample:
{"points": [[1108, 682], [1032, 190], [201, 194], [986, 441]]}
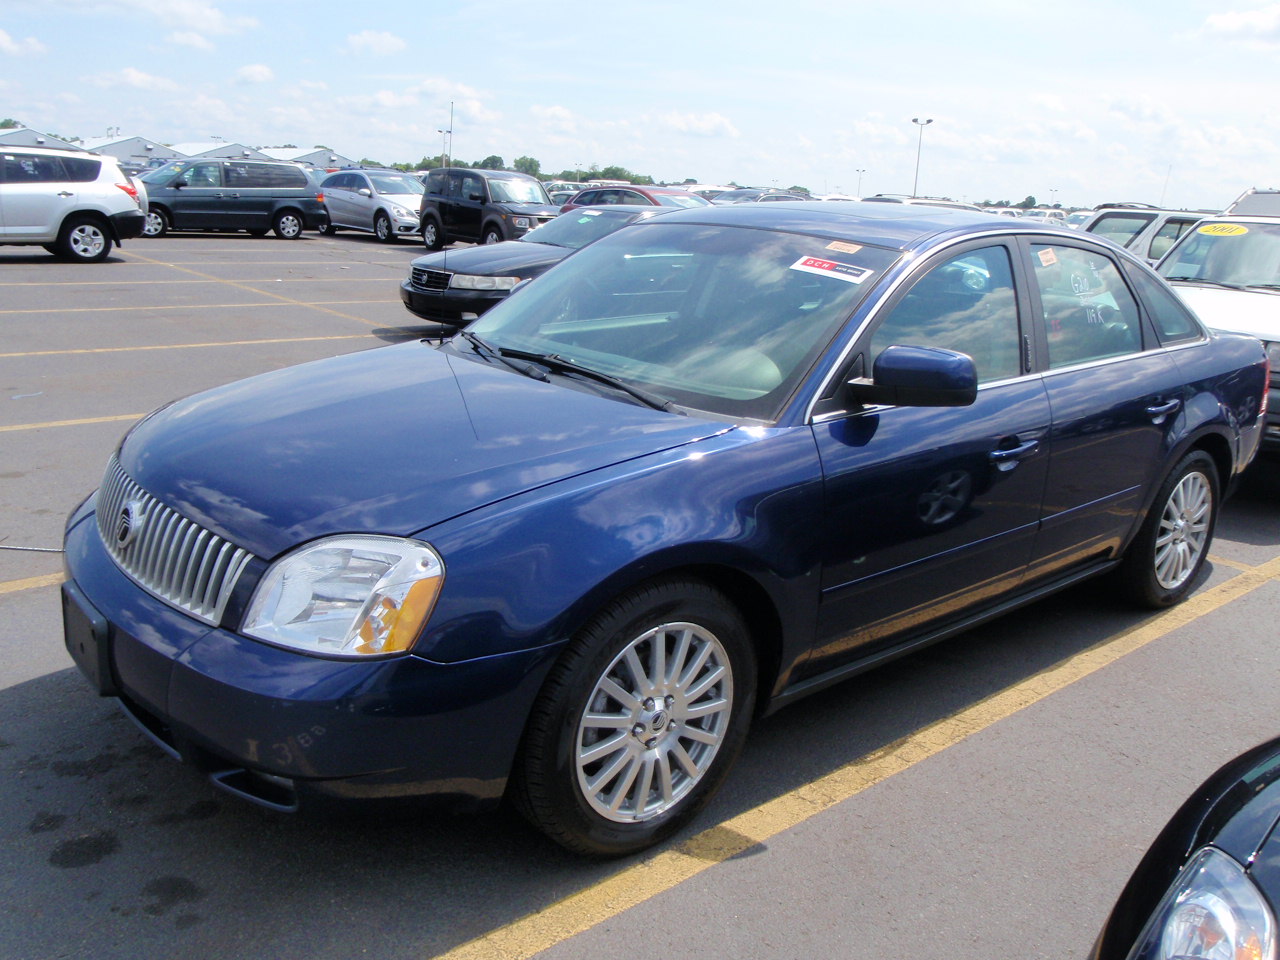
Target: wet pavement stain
{"points": [[200, 810], [43, 822], [168, 892], [84, 851]]}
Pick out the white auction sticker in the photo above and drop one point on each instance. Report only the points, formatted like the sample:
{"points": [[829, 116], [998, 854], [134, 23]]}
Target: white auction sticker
{"points": [[830, 268]]}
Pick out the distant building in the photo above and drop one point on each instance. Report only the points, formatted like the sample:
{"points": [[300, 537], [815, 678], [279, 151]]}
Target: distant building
{"points": [[219, 150], [26, 137], [323, 159], [139, 150]]}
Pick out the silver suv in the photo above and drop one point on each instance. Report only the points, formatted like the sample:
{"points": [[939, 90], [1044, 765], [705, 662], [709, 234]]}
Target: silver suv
{"points": [[1145, 230], [73, 203]]}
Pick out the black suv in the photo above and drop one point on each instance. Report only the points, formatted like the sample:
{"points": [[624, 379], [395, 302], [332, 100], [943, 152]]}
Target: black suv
{"points": [[483, 206], [253, 195]]}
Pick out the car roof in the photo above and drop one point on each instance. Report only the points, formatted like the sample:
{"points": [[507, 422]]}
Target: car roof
{"points": [[898, 226], [489, 174]]}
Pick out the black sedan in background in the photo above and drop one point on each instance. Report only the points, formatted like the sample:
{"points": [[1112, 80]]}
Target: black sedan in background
{"points": [[451, 286], [1209, 885]]}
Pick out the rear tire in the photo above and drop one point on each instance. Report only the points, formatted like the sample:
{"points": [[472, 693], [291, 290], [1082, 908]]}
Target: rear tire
{"points": [[1164, 559], [327, 229], [639, 722], [84, 239], [287, 225]]}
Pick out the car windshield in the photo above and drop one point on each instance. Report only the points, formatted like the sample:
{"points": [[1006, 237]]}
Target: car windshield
{"points": [[385, 183], [517, 191], [578, 228], [1237, 254], [165, 173], [680, 200], [720, 319]]}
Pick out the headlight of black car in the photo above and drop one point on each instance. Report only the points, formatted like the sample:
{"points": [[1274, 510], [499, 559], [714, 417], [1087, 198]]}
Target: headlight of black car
{"points": [[1212, 912]]}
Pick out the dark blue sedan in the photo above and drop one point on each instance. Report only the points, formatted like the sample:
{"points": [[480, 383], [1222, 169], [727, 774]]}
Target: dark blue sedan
{"points": [[706, 465]]}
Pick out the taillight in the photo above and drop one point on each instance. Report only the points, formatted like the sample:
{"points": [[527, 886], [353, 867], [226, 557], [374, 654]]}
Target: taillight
{"points": [[131, 190], [320, 197]]}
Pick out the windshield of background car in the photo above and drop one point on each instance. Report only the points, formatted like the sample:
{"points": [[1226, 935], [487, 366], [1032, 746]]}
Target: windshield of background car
{"points": [[396, 185], [577, 228], [517, 191], [1239, 254], [680, 200], [720, 319], [1121, 228], [165, 173]]}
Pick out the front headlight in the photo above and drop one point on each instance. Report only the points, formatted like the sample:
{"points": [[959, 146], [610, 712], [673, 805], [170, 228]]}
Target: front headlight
{"points": [[347, 596], [1273, 359], [465, 281], [1212, 912], [521, 222]]}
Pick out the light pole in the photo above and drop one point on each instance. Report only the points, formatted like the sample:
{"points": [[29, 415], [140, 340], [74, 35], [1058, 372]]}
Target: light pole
{"points": [[1053, 196], [915, 184], [859, 190], [446, 139]]}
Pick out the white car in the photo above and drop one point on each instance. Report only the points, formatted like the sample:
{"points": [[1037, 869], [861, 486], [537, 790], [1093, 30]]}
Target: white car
{"points": [[1146, 231], [73, 203], [1227, 270], [382, 202]]}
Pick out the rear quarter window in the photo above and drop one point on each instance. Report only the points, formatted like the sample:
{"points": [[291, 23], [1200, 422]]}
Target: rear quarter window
{"points": [[81, 169], [1173, 321]]}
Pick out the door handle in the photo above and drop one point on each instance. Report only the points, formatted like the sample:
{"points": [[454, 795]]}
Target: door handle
{"points": [[65, 193], [1008, 458], [1159, 411]]}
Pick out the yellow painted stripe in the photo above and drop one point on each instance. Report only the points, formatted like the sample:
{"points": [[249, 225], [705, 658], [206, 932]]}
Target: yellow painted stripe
{"points": [[70, 423], [13, 586], [275, 301], [662, 871], [181, 346]]}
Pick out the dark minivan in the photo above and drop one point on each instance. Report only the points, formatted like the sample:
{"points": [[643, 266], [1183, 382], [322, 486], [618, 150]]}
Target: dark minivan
{"points": [[253, 195], [482, 206]]}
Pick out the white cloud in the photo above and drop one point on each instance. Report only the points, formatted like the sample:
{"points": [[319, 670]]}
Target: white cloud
{"points": [[255, 73], [377, 42], [699, 124], [28, 46], [189, 38], [1259, 27], [132, 77]]}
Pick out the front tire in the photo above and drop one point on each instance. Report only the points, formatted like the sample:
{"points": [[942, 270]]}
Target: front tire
{"points": [[327, 228], [287, 225], [85, 240], [156, 224], [382, 228], [640, 721], [491, 235], [1166, 556], [432, 236]]}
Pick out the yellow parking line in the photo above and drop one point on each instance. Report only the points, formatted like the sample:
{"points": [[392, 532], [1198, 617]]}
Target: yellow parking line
{"points": [[278, 302], [180, 346], [70, 423], [662, 871], [13, 586]]}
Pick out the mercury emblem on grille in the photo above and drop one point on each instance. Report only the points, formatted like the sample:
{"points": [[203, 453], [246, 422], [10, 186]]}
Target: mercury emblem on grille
{"points": [[129, 523]]}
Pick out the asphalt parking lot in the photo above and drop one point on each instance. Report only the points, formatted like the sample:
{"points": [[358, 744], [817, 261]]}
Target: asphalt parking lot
{"points": [[985, 798]]}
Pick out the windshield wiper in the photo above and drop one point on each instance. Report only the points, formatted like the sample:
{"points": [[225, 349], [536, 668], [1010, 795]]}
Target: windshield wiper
{"points": [[487, 349], [563, 365], [1212, 283]]}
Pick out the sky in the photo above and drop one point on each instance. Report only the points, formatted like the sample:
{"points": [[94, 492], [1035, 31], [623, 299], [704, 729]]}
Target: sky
{"points": [[1161, 101]]}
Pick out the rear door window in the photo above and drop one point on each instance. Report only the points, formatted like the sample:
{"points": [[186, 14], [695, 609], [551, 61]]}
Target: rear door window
{"points": [[1121, 227], [33, 168], [1088, 310]]}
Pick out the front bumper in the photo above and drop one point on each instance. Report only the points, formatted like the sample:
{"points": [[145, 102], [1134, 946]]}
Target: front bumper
{"points": [[1271, 434], [448, 306], [283, 728]]}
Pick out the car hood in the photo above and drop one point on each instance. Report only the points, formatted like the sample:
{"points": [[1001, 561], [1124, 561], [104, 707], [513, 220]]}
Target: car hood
{"points": [[496, 259], [532, 209], [390, 440], [1254, 312]]}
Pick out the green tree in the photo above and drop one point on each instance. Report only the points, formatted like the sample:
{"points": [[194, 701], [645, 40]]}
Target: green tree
{"points": [[366, 162], [10, 124], [527, 165], [1027, 203], [804, 190], [491, 162]]}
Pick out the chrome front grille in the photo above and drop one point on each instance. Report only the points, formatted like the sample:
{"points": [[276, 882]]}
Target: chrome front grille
{"points": [[430, 279], [166, 554]]}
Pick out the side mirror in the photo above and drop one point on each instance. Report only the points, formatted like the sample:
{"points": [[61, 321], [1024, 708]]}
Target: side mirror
{"points": [[919, 377], [365, 192], [476, 197]]}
